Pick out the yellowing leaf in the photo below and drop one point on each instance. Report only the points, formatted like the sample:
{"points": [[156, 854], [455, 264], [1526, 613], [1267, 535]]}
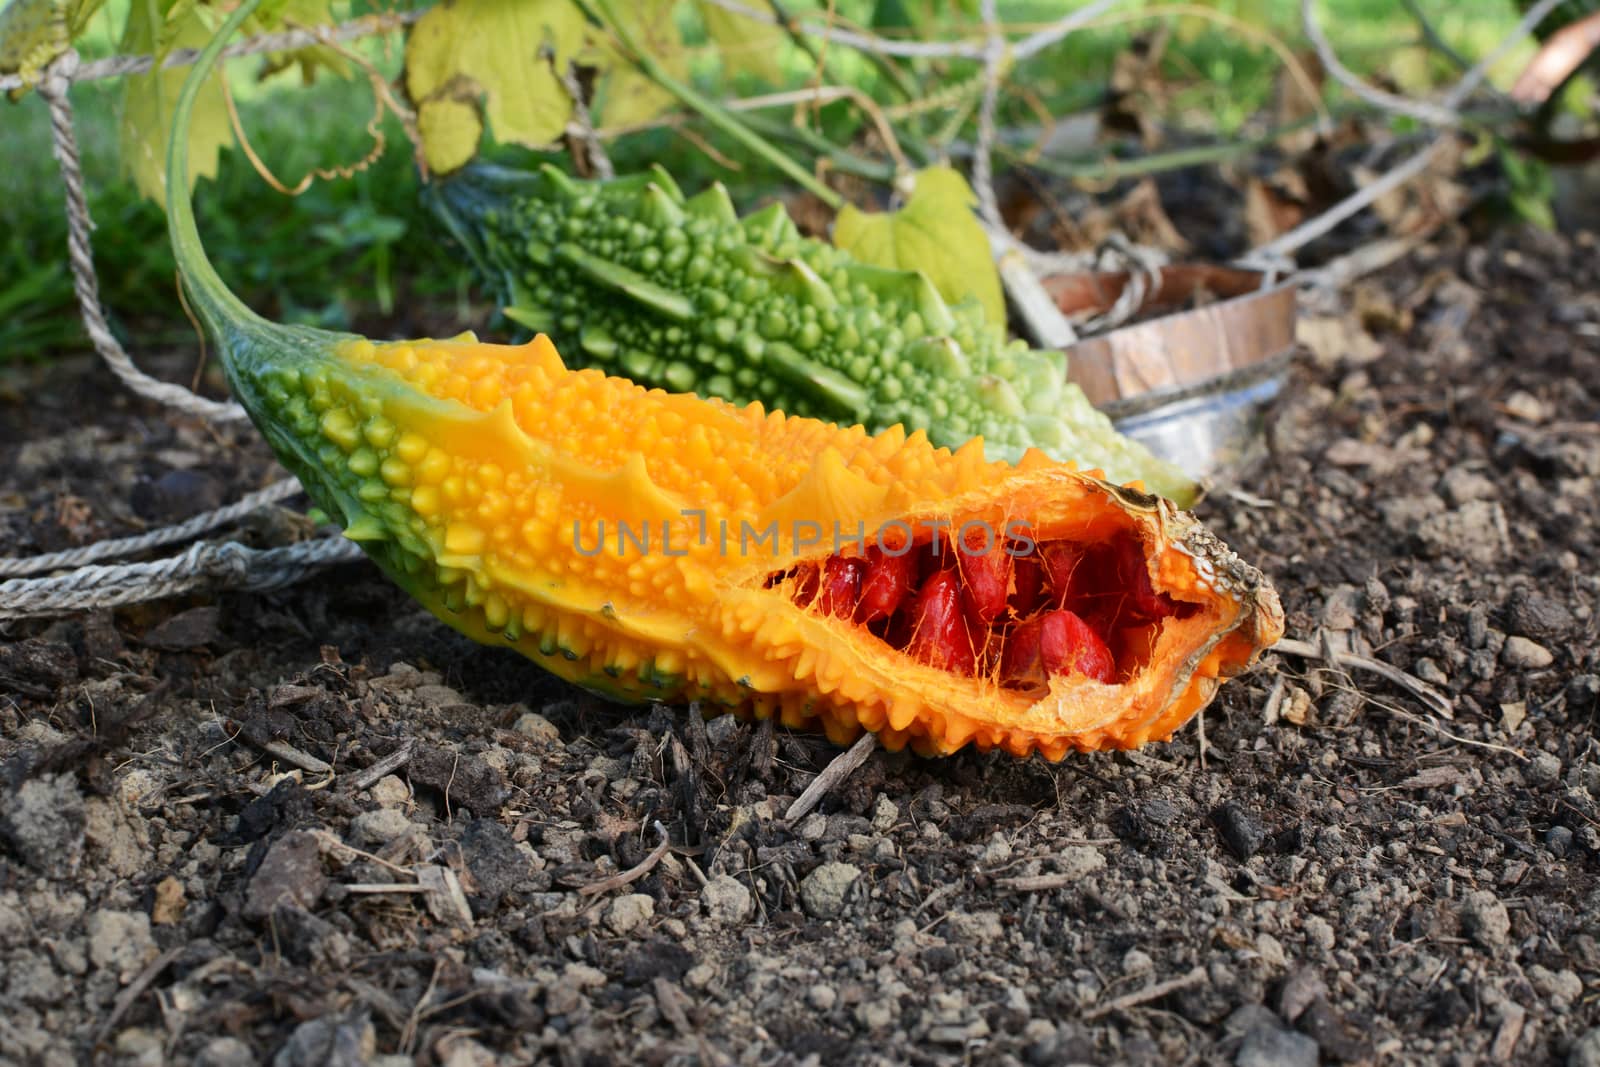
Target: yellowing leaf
{"points": [[745, 45], [156, 27], [500, 51], [936, 233], [274, 14], [451, 132], [34, 32], [624, 95]]}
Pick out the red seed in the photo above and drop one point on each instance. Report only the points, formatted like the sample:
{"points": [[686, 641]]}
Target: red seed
{"points": [[1069, 573], [1028, 575], [1020, 663], [1142, 600], [805, 584], [985, 583], [1054, 643], [1067, 644], [888, 579], [939, 635], [841, 584]]}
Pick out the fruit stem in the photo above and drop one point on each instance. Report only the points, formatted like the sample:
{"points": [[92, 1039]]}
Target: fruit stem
{"points": [[214, 302]]}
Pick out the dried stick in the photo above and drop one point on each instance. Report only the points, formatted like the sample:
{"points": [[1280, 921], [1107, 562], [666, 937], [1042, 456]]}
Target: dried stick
{"points": [[1148, 993], [842, 767], [633, 874], [387, 765], [1436, 701]]}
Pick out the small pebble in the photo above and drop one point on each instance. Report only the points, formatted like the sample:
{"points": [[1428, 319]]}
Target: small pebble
{"points": [[821, 997], [885, 813], [1543, 771], [378, 827], [1137, 962], [822, 892], [1585, 1051], [535, 726], [120, 942], [390, 792], [726, 900], [1525, 406], [1523, 654], [1241, 831], [1319, 932], [627, 913], [1273, 1046], [996, 852], [1484, 918]]}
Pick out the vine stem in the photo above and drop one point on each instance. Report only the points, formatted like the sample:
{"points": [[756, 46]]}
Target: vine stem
{"points": [[718, 116]]}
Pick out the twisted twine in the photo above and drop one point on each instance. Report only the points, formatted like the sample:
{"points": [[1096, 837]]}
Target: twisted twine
{"points": [[81, 255], [203, 566], [286, 41], [167, 535]]}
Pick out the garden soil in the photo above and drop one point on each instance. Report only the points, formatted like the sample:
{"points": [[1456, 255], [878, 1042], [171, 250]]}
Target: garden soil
{"points": [[1331, 872]]}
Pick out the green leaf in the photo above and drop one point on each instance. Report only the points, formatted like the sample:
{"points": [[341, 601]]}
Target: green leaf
{"points": [[935, 233], [277, 14], [34, 32], [746, 46], [157, 27], [497, 53], [625, 95]]}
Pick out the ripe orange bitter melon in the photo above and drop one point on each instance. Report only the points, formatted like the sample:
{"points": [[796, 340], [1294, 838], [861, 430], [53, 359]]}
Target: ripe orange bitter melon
{"points": [[654, 546]]}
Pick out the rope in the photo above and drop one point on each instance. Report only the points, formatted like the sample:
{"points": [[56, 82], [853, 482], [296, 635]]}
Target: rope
{"points": [[128, 546], [287, 41], [84, 280], [205, 566]]}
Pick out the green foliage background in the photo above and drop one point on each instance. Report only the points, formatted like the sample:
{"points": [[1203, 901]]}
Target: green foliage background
{"points": [[361, 254]]}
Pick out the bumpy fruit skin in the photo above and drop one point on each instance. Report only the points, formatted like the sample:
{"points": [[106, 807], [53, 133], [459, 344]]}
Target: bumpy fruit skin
{"points": [[478, 477], [631, 277]]}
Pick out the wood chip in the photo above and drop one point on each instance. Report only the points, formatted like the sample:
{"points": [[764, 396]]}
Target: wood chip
{"points": [[842, 767], [1148, 993], [1433, 778], [387, 765], [446, 901], [1037, 883]]}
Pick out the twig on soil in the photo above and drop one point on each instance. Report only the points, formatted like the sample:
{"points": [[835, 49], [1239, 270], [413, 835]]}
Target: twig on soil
{"points": [[334, 844], [372, 888], [942, 891], [1435, 700], [1401, 713], [1148, 993], [294, 757], [842, 767], [135, 990], [634, 873], [1038, 883], [387, 765]]}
